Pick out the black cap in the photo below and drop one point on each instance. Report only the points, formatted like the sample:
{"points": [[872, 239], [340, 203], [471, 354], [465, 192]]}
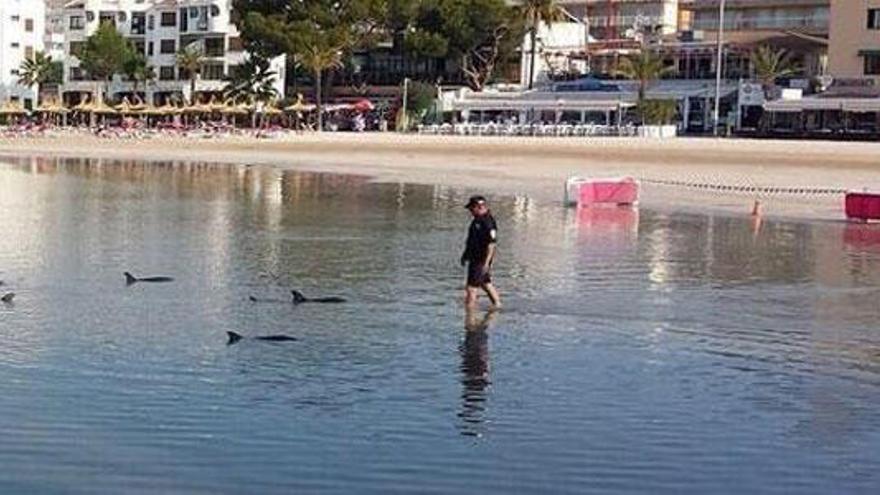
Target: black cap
{"points": [[474, 201]]}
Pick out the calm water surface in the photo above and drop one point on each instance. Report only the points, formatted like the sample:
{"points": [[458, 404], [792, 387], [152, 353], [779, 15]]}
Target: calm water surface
{"points": [[640, 351]]}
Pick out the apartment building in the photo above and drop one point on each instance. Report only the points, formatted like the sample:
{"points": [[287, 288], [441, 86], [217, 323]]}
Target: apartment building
{"points": [[159, 29], [53, 40], [21, 36], [854, 42], [799, 26]]}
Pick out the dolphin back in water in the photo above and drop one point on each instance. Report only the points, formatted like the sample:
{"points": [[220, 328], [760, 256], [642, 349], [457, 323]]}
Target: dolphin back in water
{"points": [[299, 298], [131, 279], [234, 337], [8, 297]]}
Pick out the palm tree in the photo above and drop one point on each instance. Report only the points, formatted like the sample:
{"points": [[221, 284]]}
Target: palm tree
{"points": [[769, 65], [253, 80], [646, 67], [536, 12], [317, 60], [35, 71], [189, 60], [137, 70]]}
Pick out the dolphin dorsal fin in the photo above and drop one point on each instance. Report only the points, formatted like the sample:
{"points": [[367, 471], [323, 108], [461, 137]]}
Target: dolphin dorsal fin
{"points": [[129, 278], [233, 338], [298, 297]]}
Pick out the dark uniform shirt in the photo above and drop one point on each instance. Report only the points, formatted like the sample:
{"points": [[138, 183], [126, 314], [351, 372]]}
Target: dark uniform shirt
{"points": [[481, 234]]}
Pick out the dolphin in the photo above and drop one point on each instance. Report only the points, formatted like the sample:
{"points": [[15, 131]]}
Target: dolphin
{"points": [[131, 279], [8, 297], [234, 338], [299, 298]]}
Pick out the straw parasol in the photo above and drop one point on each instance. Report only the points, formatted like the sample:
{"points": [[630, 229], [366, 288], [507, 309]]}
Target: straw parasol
{"points": [[12, 108], [240, 109], [271, 110], [299, 106], [51, 106], [103, 108], [126, 108]]}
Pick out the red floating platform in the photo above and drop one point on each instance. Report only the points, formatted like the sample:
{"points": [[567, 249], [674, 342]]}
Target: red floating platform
{"points": [[862, 206]]}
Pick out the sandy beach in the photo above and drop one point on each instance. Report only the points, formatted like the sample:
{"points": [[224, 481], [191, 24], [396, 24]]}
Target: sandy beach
{"points": [[536, 167]]}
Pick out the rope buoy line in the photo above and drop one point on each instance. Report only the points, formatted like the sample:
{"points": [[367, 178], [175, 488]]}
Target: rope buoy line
{"points": [[806, 191]]}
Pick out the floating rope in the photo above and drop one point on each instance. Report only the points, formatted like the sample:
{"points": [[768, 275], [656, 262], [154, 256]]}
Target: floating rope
{"points": [[802, 191]]}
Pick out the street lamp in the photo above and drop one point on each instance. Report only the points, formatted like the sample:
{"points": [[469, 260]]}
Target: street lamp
{"points": [[718, 64]]}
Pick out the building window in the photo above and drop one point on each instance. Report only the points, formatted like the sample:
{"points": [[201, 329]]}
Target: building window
{"points": [[235, 44], [151, 22], [873, 18], [166, 73], [872, 65], [169, 19], [138, 23], [140, 46], [167, 46], [76, 74], [184, 20], [77, 22], [15, 18], [214, 47], [150, 49], [29, 52], [29, 25], [212, 72], [15, 44]]}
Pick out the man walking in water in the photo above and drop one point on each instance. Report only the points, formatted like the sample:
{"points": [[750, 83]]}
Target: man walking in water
{"points": [[479, 253]]}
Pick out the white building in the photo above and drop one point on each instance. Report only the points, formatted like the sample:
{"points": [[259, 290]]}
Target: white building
{"points": [[53, 41], [160, 28], [21, 36]]}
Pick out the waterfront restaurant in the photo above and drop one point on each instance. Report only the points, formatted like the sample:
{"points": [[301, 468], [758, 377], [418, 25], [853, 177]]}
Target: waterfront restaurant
{"points": [[849, 109], [590, 101]]}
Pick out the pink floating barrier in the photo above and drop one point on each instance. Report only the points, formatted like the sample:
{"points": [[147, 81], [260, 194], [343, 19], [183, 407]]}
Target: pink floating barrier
{"points": [[619, 191], [862, 206]]}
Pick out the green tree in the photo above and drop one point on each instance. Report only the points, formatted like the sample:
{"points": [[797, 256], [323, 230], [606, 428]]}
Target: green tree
{"points": [[189, 60], [252, 81], [317, 34], [477, 35], [36, 71], [104, 54], [646, 67], [137, 70], [318, 59], [769, 65], [536, 12]]}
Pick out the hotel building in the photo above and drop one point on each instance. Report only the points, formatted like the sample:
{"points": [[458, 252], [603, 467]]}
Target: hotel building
{"points": [[854, 43], [159, 29], [21, 36]]}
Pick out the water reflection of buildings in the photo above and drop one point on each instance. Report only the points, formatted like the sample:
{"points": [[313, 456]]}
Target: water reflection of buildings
{"points": [[475, 381]]}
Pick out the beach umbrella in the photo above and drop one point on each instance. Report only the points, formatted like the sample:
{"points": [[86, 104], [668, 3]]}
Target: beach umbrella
{"points": [[299, 106], [12, 108], [363, 105], [103, 108]]}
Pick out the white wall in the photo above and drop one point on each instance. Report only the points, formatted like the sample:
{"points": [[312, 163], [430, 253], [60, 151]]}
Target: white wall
{"points": [[560, 37], [15, 41]]}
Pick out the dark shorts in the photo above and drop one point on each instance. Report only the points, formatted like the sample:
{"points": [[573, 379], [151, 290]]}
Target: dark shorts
{"points": [[476, 276]]}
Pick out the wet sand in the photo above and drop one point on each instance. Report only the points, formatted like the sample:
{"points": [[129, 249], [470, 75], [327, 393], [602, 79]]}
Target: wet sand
{"points": [[531, 166]]}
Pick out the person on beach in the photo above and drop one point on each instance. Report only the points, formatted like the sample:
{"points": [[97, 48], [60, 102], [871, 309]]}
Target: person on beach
{"points": [[479, 252]]}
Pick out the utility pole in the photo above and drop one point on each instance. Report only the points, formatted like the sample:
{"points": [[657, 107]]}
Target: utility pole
{"points": [[718, 66]]}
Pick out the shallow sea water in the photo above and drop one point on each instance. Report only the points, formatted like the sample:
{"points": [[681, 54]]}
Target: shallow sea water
{"points": [[639, 351]]}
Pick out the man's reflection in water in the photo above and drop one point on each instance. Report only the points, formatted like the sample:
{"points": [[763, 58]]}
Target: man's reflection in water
{"points": [[474, 352]]}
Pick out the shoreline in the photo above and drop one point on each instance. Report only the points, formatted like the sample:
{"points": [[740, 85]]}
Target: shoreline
{"points": [[536, 167]]}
